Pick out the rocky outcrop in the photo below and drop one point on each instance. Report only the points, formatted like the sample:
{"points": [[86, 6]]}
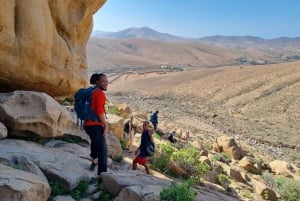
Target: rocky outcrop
{"points": [[280, 167], [57, 165], [115, 182], [42, 44], [27, 112], [19, 185], [115, 125], [229, 146]]}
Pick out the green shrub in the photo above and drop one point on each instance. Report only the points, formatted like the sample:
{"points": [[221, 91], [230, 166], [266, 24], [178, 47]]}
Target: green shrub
{"points": [[288, 188], [188, 159], [80, 190], [166, 150], [224, 180], [268, 179], [222, 157], [159, 162], [162, 157], [17, 167], [114, 110], [105, 196], [178, 192], [156, 136], [123, 143], [56, 189], [70, 139], [66, 101]]}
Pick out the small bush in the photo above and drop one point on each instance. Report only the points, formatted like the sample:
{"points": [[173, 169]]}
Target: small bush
{"points": [[289, 189], [166, 150], [178, 192], [123, 143], [224, 180], [105, 196], [67, 102], [160, 163], [114, 110], [17, 167], [188, 159], [162, 157], [156, 136], [56, 189], [80, 190], [222, 157]]}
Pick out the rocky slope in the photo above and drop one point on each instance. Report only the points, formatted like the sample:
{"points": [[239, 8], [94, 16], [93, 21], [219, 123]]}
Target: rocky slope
{"points": [[257, 104]]}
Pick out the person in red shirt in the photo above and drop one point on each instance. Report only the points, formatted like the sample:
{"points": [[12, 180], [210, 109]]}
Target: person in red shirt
{"points": [[97, 130]]}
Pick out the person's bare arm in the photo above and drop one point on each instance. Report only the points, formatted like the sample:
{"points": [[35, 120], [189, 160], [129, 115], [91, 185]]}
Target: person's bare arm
{"points": [[151, 132], [103, 120]]}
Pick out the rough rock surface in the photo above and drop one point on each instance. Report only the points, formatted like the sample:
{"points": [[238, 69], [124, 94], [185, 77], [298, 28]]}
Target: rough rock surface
{"points": [[20, 185], [26, 112], [42, 44]]}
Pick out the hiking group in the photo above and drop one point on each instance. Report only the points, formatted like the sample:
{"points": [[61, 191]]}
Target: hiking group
{"points": [[89, 106]]}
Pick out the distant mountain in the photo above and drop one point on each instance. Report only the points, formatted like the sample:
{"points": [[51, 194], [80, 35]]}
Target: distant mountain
{"points": [[143, 32], [119, 53], [246, 42], [147, 47]]}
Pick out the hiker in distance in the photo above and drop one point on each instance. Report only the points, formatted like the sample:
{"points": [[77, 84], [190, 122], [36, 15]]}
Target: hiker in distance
{"points": [[154, 119], [141, 154], [97, 130], [172, 138], [129, 133]]}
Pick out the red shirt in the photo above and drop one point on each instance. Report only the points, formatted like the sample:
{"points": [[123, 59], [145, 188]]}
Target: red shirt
{"points": [[97, 105]]}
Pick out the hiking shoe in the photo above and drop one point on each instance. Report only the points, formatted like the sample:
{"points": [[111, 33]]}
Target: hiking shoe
{"points": [[93, 166]]}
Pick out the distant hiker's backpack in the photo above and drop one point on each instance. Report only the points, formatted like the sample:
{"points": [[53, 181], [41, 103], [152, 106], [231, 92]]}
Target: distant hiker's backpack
{"points": [[151, 118], [82, 104]]}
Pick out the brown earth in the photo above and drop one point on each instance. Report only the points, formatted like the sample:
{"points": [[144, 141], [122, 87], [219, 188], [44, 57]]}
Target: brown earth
{"points": [[258, 105]]}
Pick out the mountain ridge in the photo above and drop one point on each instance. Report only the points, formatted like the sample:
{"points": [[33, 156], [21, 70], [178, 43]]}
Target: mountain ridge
{"points": [[145, 47], [142, 32]]}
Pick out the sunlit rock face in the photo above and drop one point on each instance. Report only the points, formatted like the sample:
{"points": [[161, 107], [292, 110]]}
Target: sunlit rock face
{"points": [[42, 44]]}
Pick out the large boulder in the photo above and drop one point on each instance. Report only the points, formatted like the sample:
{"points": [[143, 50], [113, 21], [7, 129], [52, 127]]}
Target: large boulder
{"points": [[115, 125], [42, 44], [20, 185], [27, 112], [114, 182], [229, 146], [57, 165]]}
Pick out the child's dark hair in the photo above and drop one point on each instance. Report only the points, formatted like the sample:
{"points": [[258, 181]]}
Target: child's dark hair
{"points": [[95, 77]]}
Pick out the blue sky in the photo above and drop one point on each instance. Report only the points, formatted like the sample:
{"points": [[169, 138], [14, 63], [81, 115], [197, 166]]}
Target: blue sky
{"points": [[199, 18]]}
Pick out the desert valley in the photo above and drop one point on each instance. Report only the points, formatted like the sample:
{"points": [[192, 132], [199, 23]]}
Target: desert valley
{"points": [[208, 88], [236, 96]]}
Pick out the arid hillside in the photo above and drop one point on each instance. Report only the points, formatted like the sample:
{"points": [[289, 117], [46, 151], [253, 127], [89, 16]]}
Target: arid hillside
{"points": [[146, 48], [257, 104], [108, 54]]}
